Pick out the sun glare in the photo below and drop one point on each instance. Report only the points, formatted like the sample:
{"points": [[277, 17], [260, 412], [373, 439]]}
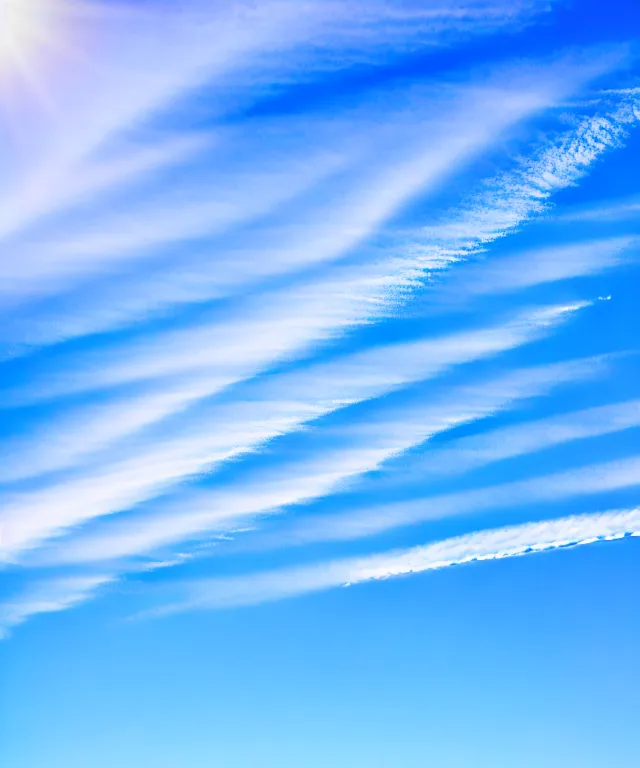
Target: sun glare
{"points": [[27, 29]]}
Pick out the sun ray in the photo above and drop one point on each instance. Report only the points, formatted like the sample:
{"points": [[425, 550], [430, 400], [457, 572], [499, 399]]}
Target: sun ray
{"points": [[32, 33], [40, 41]]}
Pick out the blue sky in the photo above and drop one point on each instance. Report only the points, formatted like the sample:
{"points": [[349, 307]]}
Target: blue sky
{"points": [[319, 393]]}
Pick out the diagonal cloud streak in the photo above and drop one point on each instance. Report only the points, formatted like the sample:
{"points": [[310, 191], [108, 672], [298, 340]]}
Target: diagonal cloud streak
{"points": [[373, 520], [230, 430], [495, 544], [325, 468], [470, 453], [54, 595]]}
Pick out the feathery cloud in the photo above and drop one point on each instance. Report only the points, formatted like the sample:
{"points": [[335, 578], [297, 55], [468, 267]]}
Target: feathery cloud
{"points": [[205, 438], [51, 596], [334, 456], [373, 520], [207, 212], [469, 453], [494, 544]]}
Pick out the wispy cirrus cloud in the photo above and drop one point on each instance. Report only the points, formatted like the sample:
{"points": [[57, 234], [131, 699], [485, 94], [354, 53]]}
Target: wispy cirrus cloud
{"points": [[419, 139], [50, 596], [520, 439], [539, 267], [225, 431], [123, 81], [125, 64], [331, 457], [493, 544], [214, 231], [286, 398], [374, 519], [505, 202], [615, 210]]}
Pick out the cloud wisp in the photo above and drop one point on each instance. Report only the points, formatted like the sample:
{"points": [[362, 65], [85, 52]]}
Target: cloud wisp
{"points": [[480, 546], [51, 596], [465, 454], [126, 87], [331, 457], [225, 431], [540, 267], [255, 257], [434, 142], [372, 520]]}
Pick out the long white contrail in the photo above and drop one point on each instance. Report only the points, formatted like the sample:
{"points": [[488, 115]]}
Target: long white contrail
{"points": [[494, 544]]}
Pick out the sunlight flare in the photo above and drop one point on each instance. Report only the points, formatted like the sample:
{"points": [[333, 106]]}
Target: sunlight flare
{"points": [[28, 30]]}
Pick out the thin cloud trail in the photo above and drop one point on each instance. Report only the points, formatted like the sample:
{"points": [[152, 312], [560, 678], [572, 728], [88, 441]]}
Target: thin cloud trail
{"points": [[101, 243], [122, 83], [262, 587], [531, 268], [372, 291], [373, 520], [123, 416], [143, 471], [262, 331], [228, 338], [119, 83], [515, 196], [335, 457], [362, 297], [103, 425], [529, 437], [616, 210], [201, 203], [131, 165], [51, 596], [480, 546], [252, 589], [447, 130], [110, 422], [85, 431]]}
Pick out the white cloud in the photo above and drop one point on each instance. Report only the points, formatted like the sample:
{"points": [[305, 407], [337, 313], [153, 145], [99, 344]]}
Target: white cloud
{"points": [[64, 441], [123, 81], [508, 274], [372, 520], [512, 197], [179, 367], [419, 137], [55, 594], [97, 243], [124, 64], [527, 437], [276, 405], [333, 457], [616, 210], [286, 399], [495, 544], [105, 195]]}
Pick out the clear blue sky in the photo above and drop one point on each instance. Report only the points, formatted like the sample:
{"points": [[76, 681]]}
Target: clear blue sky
{"points": [[319, 394]]}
